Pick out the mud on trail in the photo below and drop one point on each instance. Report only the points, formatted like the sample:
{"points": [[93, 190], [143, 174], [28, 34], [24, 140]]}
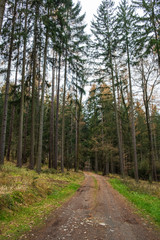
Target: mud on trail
{"points": [[96, 212]]}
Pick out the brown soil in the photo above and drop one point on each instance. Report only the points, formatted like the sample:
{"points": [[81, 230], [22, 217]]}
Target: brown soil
{"points": [[96, 212]]}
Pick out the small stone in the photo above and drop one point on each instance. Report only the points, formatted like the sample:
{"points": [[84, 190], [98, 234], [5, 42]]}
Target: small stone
{"points": [[102, 224]]}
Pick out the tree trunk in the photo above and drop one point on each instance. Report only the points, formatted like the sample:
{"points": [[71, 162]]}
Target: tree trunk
{"points": [[63, 115], [51, 138], [96, 162], [20, 137], [57, 114], [5, 108], [2, 9], [76, 142], [13, 109], [32, 156], [117, 120], [132, 119], [119, 124], [152, 168], [39, 158]]}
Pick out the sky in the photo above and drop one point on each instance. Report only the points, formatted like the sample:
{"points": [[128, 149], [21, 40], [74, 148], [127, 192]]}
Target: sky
{"points": [[90, 8]]}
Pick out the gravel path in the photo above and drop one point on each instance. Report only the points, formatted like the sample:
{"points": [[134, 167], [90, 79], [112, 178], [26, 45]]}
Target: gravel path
{"points": [[98, 212]]}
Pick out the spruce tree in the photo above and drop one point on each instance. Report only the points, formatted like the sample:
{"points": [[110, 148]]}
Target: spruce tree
{"points": [[19, 150], [125, 19], [103, 29], [149, 27], [5, 107]]}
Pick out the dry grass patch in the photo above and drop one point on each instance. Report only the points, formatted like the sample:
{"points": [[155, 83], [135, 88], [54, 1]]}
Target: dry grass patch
{"points": [[27, 197]]}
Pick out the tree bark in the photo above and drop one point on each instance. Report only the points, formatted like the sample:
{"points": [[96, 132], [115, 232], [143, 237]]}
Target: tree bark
{"points": [[96, 162], [32, 155], [39, 156], [5, 108], [132, 117], [76, 142], [13, 109], [57, 114], [152, 167], [117, 120], [2, 9], [119, 124], [51, 138], [63, 114]]}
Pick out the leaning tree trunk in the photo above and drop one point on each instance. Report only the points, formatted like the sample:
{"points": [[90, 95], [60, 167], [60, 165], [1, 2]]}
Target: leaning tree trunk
{"points": [[39, 156], [57, 115], [5, 108], [2, 8], [19, 150]]}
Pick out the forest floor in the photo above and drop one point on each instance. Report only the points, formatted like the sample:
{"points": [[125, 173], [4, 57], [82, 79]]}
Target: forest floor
{"points": [[96, 211]]}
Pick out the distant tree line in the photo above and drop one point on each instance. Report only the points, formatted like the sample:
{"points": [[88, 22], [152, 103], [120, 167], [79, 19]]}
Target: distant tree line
{"points": [[47, 59]]}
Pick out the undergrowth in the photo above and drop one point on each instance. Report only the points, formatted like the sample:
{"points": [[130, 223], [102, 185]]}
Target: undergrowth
{"points": [[145, 196], [26, 198]]}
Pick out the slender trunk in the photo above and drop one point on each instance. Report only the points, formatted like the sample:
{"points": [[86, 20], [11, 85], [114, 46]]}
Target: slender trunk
{"points": [[119, 124], [112, 163], [39, 159], [117, 120], [155, 145], [19, 150], [132, 119], [76, 142], [106, 166], [25, 138], [78, 129], [38, 83], [32, 155], [51, 139], [71, 140], [96, 162], [57, 114], [2, 8], [13, 109], [63, 115], [5, 108], [26, 126]]}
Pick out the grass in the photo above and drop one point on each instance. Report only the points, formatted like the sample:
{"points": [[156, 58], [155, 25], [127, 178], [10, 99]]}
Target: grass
{"points": [[143, 195], [27, 198]]}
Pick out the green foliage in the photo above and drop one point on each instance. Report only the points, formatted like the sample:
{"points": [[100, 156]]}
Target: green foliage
{"points": [[141, 196]]}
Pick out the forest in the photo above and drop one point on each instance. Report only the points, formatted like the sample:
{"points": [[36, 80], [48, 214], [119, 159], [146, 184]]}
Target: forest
{"points": [[72, 99]]}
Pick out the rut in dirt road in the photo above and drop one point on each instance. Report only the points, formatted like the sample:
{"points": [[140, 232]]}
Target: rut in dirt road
{"points": [[96, 212]]}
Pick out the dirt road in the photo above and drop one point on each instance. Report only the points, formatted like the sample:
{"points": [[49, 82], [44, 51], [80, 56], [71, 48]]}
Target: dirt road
{"points": [[96, 212]]}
